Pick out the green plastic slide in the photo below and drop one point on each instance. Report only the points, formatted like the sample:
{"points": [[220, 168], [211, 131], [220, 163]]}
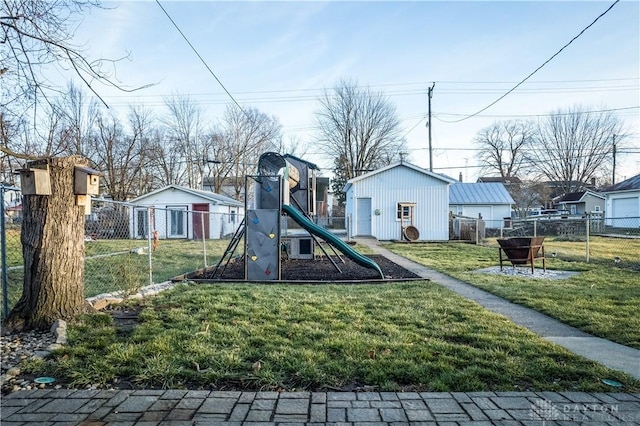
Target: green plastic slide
{"points": [[319, 231]]}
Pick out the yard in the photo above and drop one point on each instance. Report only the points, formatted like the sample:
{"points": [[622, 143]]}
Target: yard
{"points": [[602, 299], [396, 336], [392, 336]]}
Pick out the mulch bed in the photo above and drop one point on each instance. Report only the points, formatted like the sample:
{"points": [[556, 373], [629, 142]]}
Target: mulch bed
{"points": [[312, 270]]}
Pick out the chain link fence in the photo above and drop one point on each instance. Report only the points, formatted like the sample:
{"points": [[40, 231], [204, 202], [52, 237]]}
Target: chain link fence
{"points": [[127, 246], [130, 246], [608, 241]]}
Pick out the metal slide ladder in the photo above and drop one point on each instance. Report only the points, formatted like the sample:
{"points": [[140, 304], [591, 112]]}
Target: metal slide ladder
{"points": [[231, 248]]}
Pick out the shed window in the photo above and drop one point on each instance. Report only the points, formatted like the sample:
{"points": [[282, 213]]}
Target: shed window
{"points": [[177, 222], [405, 211]]}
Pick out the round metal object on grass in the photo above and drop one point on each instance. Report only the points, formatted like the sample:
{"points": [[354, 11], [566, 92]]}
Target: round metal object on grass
{"points": [[411, 233]]}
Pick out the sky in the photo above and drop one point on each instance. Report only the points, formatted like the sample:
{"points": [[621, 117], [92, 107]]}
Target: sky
{"points": [[279, 57]]}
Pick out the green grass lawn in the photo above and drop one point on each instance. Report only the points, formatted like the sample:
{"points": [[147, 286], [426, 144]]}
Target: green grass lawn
{"points": [[109, 266], [396, 336], [601, 299]]}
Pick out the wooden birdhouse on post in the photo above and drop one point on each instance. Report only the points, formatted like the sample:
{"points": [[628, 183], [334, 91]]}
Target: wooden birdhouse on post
{"points": [[86, 182]]}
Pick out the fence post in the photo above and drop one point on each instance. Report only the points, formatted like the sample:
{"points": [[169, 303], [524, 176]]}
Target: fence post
{"points": [[149, 245], [477, 232], [588, 230], [204, 238], [5, 284], [535, 228]]}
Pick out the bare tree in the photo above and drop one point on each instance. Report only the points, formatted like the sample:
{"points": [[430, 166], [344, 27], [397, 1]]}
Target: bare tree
{"points": [[37, 35], [358, 129], [121, 156], [184, 127], [244, 135], [503, 147], [572, 146], [166, 162], [531, 194], [78, 114], [293, 145]]}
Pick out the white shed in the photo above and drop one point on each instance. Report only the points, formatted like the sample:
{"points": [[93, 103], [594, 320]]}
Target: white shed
{"points": [[491, 201], [622, 208], [380, 203], [177, 212]]}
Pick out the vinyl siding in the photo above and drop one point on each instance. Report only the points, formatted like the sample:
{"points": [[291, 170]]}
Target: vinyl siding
{"points": [[402, 184]]}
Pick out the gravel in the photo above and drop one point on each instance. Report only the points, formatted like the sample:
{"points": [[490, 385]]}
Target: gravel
{"points": [[18, 347], [525, 272]]}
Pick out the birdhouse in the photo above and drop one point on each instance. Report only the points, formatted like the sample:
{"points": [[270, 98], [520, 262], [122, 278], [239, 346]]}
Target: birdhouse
{"points": [[35, 181], [86, 181]]}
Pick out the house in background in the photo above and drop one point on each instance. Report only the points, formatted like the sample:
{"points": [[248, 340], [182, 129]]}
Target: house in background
{"points": [[178, 212], [381, 203], [490, 201], [622, 208], [581, 203]]}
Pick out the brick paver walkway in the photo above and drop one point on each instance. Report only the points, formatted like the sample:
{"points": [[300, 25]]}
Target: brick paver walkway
{"points": [[178, 407]]}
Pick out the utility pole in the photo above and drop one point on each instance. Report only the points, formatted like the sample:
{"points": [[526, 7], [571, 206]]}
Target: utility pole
{"points": [[429, 126], [614, 161]]}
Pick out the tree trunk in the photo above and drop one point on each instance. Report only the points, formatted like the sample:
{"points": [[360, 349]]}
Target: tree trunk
{"points": [[53, 250]]}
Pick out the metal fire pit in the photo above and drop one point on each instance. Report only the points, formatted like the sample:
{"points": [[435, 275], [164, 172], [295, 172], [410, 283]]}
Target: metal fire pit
{"points": [[522, 251]]}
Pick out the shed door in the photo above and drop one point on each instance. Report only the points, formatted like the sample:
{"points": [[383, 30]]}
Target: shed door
{"points": [[363, 216], [625, 207], [199, 219]]}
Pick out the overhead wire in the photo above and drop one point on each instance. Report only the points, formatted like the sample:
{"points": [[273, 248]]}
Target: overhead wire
{"points": [[201, 58], [540, 67]]}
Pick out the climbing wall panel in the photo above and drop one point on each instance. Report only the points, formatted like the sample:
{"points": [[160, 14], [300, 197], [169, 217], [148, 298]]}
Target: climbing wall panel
{"points": [[262, 255]]}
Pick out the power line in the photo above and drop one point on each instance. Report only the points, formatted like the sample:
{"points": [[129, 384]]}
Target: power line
{"points": [[414, 126], [201, 58], [537, 115], [540, 67]]}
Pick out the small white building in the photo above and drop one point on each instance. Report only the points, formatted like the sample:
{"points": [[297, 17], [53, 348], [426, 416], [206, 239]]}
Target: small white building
{"points": [[622, 208], [178, 212], [383, 202], [489, 201]]}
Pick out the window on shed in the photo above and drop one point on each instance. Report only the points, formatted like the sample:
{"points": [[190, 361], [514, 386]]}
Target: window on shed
{"points": [[177, 222], [405, 211]]}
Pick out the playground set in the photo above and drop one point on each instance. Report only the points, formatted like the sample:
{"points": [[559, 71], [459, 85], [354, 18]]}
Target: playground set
{"points": [[284, 185]]}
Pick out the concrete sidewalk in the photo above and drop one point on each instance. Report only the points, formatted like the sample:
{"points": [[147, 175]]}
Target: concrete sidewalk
{"points": [[180, 407], [610, 354]]}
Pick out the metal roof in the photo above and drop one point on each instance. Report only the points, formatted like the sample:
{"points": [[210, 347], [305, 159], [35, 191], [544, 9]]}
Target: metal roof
{"points": [[479, 193], [626, 185]]}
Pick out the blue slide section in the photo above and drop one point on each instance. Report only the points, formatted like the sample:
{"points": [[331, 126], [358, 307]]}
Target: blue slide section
{"points": [[319, 231]]}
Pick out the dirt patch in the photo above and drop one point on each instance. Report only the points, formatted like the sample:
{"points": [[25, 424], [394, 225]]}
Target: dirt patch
{"points": [[316, 270]]}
